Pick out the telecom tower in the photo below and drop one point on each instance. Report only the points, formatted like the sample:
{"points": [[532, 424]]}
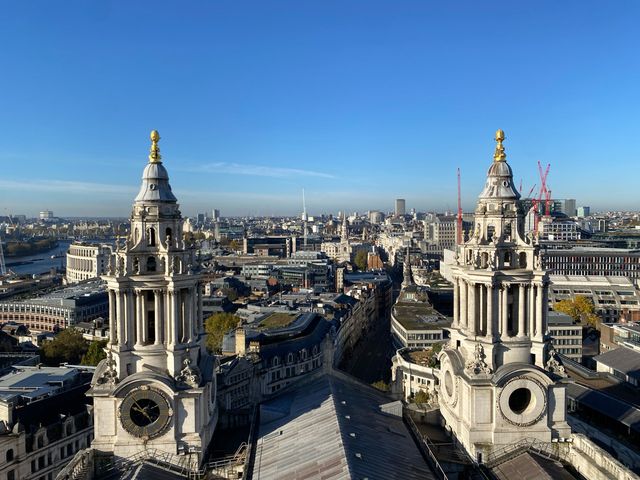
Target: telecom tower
{"points": [[304, 218]]}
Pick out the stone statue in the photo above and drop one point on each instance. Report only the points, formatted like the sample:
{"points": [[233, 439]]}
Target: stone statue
{"points": [[477, 365], [109, 375], [189, 375], [554, 364]]}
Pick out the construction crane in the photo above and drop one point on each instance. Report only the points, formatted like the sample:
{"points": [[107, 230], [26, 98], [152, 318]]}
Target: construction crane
{"points": [[543, 186], [459, 219]]}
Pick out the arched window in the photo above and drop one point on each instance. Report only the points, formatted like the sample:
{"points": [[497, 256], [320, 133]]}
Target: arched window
{"points": [[276, 361], [523, 260], [151, 264], [290, 358], [507, 259], [303, 354], [9, 455], [151, 233], [315, 350]]}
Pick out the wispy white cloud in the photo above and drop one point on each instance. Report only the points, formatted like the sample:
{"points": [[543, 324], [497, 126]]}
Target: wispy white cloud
{"points": [[63, 186], [255, 170]]}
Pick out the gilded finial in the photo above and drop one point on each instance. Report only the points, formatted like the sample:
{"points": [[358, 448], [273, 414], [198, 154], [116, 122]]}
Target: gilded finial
{"points": [[154, 152], [499, 155]]}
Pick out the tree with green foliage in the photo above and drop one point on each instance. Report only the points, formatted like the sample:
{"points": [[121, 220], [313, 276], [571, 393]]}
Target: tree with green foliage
{"points": [[68, 346], [230, 292], [421, 397], [95, 353], [381, 385], [580, 308], [216, 326], [361, 259]]}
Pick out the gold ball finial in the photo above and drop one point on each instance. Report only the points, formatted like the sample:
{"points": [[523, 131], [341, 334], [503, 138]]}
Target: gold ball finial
{"points": [[499, 155], [154, 152]]}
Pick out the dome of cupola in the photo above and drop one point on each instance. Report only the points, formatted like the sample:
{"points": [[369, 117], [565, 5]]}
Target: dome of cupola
{"points": [[499, 184], [155, 179]]}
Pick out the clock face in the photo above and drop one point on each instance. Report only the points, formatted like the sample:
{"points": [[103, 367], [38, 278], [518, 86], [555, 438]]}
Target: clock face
{"points": [[145, 412]]}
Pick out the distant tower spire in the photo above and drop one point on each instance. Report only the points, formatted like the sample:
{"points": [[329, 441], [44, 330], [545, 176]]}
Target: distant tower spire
{"points": [[499, 155], [344, 233], [154, 151]]}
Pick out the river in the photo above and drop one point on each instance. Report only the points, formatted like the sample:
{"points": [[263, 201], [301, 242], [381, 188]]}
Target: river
{"points": [[39, 262]]}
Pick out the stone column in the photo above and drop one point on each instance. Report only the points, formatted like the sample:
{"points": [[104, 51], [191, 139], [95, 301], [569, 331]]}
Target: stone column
{"points": [[113, 331], [504, 314], [482, 303], [532, 310], [168, 309], [521, 309], [490, 315], [175, 333], [472, 309], [463, 304], [157, 297], [120, 318], [145, 318], [456, 303], [539, 300], [189, 310], [131, 317], [139, 337]]}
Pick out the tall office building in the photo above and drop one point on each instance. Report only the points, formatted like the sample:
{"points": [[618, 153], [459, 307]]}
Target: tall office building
{"points": [[500, 380], [569, 207], [583, 212], [400, 207], [156, 390]]}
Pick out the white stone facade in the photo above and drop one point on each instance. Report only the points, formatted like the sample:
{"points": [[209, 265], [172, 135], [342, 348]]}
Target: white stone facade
{"points": [[86, 261], [495, 385], [156, 390], [411, 377]]}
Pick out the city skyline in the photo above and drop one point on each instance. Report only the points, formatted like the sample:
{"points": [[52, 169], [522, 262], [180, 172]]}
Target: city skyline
{"points": [[357, 107]]}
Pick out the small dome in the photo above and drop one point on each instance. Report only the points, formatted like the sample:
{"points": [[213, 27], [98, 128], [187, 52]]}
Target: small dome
{"points": [[501, 169], [155, 171], [500, 183], [155, 185]]}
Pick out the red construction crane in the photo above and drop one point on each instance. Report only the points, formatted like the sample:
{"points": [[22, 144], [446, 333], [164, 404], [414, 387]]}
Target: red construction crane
{"points": [[531, 191], [543, 185], [459, 219]]}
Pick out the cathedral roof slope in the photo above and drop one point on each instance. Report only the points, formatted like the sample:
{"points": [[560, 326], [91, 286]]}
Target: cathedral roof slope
{"points": [[331, 428], [529, 466]]}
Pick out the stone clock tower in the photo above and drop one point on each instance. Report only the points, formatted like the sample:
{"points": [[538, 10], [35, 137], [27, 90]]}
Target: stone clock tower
{"points": [[156, 389], [500, 381]]}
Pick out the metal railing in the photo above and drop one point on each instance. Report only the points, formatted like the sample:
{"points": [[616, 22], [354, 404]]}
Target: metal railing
{"points": [[546, 449], [431, 457]]}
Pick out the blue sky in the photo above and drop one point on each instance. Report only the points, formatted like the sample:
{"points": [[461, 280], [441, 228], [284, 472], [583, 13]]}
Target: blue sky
{"points": [[357, 102]]}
